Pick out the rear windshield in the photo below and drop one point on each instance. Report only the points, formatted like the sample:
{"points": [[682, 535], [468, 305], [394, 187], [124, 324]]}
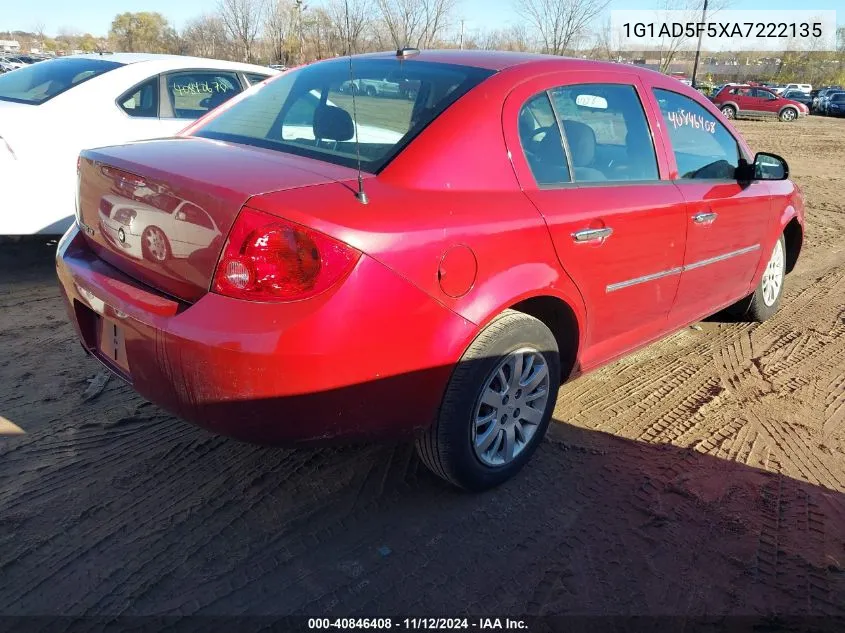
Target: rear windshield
{"points": [[41, 82], [309, 111]]}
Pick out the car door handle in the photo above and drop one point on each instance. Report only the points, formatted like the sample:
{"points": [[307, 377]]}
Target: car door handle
{"points": [[705, 218], [592, 235]]}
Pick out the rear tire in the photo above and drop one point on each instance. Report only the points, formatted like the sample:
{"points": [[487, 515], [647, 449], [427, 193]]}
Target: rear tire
{"points": [[501, 366], [765, 300], [729, 111], [154, 245]]}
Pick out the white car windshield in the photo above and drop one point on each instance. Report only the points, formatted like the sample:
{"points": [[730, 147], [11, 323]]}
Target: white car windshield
{"points": [[309, 111], [41, 82]]}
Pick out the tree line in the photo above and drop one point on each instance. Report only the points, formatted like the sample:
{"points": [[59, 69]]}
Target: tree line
{"points": [[292, 32]]}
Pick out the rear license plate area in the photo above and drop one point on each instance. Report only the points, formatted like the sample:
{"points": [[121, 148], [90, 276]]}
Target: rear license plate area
{"points": [[111, 343]]}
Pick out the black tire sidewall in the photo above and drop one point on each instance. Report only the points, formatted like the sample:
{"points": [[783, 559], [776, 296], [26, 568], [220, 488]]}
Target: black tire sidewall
{"points": [[456, 415]]}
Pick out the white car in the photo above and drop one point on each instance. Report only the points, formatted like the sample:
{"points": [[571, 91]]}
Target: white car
{"points": [[52, 110], [140, 229]]}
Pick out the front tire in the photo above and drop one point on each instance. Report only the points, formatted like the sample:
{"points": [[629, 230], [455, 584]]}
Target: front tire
{"points": [[729, 112], [788, 114], [762, 304], [497, 405]]}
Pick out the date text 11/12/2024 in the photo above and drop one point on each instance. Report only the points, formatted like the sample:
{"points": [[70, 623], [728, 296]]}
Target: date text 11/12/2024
{"points": [[435, 624]]}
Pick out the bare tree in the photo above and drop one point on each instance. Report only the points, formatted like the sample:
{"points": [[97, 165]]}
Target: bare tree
{"points": [[360, 18], [205, 36], [560, 22], [513, 38], [39, 29], [280, 30], [416, 23], [670, 46], [242, 19], [606, 43]]}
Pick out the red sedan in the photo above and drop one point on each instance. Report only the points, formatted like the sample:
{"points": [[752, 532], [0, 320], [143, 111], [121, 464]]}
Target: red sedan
{"points": [[753, 101], [523, 220]]}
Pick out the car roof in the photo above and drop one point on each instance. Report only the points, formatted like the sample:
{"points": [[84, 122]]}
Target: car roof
{"points": [[167, 62], [500, 60]]}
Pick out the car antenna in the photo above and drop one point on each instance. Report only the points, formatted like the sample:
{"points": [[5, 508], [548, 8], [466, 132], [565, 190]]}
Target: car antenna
{"points": [[360, 194]]}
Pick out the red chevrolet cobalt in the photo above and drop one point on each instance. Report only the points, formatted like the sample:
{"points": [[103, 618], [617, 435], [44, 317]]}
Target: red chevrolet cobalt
{"points": [[330, 256]]}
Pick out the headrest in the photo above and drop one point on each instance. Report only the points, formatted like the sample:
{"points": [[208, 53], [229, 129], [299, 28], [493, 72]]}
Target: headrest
{"points": [[582, 142], [333, 123]]}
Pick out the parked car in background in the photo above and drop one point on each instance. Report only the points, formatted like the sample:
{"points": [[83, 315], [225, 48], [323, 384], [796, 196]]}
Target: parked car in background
{"points": [[51, 110], [824, 99], [10, 63], [799, 96], [755, 102], [836, 104], [805, 88], [533, 218]]}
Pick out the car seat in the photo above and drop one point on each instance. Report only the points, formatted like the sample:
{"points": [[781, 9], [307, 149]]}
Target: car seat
{"points": [[582, 146]]}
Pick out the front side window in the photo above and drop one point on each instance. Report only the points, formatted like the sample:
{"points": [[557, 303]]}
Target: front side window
{"points": [[607, 133], [40, 82], [703, 147], [142, 101], [309, 111], [192, 94], [192, 214]]}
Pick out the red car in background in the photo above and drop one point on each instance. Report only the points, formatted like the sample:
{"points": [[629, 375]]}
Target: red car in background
{"points": [[754, 101], [525, 220]]}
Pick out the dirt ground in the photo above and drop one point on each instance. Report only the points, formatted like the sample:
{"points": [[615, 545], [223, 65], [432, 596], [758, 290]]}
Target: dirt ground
{"points": [[704, 475]]}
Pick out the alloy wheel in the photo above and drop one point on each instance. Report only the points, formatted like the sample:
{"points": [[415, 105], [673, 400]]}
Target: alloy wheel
{"points": [[510, 407], [156, 244], [773, 276]]}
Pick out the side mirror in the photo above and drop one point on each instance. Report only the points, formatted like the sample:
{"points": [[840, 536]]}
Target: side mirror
{"points": [[180, 215], [770, 167]]}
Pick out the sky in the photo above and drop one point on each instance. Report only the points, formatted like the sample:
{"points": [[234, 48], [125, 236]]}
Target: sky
{"points": [[95, 16]]}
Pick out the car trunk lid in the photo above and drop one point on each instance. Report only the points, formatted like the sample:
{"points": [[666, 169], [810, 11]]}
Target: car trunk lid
{"points": [[160, 210]]}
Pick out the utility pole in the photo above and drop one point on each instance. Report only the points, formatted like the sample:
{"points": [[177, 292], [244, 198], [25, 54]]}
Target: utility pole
{"points": [[698, 49], [462, 35]]}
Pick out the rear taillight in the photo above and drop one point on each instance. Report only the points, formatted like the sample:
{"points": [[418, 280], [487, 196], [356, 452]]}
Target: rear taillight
{"points": [[269, 259], [106, 207]]}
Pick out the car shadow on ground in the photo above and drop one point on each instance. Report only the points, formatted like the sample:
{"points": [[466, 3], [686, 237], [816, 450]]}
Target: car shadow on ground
{"points": [[116, 507]]}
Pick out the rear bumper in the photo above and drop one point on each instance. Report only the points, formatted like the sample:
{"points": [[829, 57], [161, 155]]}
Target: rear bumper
{"points": [[370, 358]]}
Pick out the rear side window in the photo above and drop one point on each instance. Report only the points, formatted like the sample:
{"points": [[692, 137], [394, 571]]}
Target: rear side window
{"points": [[255, 78], [703, 147], [540, 138], [38, 83], [192, 94], [607, 133], [141, 101]]}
